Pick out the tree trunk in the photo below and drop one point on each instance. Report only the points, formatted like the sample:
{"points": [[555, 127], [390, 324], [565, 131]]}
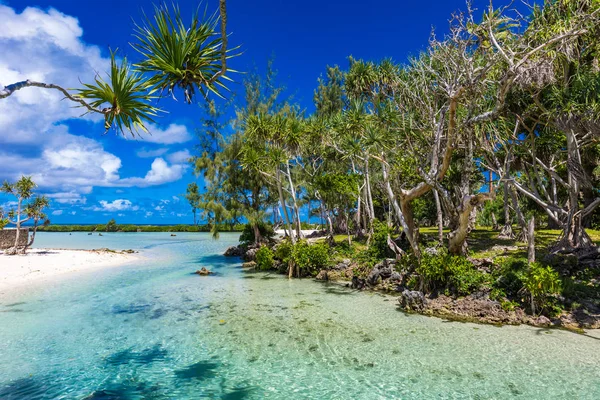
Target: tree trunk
{"points": [[457, 239], [409, 231], [506, 232], [289, 228], [440, 217], [369, 195], [295, 203], [531, 241], [520, 217], [257, 235]]}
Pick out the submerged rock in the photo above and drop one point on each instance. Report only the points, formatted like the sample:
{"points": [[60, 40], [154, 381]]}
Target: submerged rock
{"points": [[249, 264], [203, 271]]}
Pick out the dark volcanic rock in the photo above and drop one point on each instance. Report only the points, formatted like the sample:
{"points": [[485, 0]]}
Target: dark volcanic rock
{"points": [[250, 254], [234, 251], [412, 300]]}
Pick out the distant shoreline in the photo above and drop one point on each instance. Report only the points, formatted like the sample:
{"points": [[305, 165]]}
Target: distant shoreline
{"points": [[136, 228]]}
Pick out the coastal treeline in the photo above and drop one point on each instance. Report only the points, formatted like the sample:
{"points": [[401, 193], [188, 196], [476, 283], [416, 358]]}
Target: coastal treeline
{"points": [[113, 226], [496, 123]]}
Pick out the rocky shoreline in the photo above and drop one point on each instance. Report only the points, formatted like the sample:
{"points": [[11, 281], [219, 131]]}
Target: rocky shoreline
{"points": [[476, 307]]}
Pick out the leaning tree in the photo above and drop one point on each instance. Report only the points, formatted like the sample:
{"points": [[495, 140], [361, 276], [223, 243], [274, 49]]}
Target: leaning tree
{"points": [[175, 56]]}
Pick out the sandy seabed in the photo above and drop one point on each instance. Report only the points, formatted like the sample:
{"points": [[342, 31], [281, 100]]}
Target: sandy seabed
{"points": [[39, 264]]}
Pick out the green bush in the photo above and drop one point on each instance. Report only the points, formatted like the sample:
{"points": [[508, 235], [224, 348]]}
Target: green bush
{"points": [[541, 282], [508, 277], [283, 251], [310, 258], [378, 248], [453, 273], [264, 259]]}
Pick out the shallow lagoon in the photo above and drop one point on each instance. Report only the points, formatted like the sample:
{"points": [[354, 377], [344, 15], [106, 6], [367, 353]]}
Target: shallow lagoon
{"points": [[152, 330]]}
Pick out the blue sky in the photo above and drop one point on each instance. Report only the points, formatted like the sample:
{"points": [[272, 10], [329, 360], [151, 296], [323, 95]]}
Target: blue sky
{"points": [[92, 177]]}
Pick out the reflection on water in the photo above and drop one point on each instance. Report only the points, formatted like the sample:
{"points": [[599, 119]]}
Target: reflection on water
{"points": [[156, 331]]}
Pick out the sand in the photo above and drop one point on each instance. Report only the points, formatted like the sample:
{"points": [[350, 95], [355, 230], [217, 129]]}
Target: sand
{"points": [[40, 264]]}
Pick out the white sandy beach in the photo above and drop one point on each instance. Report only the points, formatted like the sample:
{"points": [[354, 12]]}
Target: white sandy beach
{"points": [[39, 264]]}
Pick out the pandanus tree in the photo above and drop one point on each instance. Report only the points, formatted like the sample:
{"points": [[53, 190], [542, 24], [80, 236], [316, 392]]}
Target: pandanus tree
{"points": [[555, 107], [174, 56], [29, 207]]}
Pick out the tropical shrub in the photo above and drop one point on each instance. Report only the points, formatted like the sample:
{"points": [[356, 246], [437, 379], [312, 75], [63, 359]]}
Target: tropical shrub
{"points": [[264, 258], [541, 282], [283, 251], [378, 247], [453, 273], [309, 259]]}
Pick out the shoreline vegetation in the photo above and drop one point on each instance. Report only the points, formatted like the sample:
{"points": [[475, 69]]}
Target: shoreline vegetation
{"points": [[42, 264], [136, 228], [489, 286]]}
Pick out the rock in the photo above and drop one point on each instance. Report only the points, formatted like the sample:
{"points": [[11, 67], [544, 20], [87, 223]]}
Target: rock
{"points": [[316, 234], [482, 264], [412, 300], [334, 275], [543, 321], [172, 234], [249, 264], [322, 275], [358, 283], [250, 254], [395, 277], [234, 251], [342, 265], [348, 273], [203, 271]]}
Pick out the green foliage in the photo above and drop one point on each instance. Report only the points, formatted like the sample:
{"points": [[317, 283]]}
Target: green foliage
{"points": [[508, 277], [127, 95], [453, 273], [310, 258], [283, 251], [264, 258], [378, 248], [141, 228], [541, 282], [247, 236], [177, 55], [111, 226]]}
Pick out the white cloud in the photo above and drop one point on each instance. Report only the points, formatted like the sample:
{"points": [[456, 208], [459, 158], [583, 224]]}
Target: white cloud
{"points": [[116, 205], [47, 46], [175, 199], [159, 208], [145, 153], [68, 198], [43, 46], [72, 165], [179, 157], [160, 173], [148, 214], [174, 133], [57, 212]]}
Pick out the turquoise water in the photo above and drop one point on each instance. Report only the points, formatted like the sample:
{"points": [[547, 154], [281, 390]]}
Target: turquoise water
{"points": [[152, 330]]}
